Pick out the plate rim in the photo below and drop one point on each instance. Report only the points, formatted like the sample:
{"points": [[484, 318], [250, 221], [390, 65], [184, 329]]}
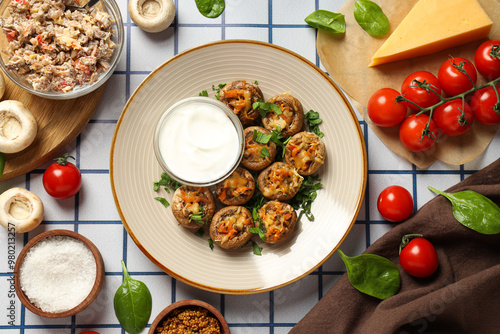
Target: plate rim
{"points": [[199, 285]]}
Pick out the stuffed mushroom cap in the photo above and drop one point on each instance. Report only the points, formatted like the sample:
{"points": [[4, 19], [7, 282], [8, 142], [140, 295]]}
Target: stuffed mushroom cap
{"points": [[257, 155], [239, 97], [291, 119], [237, 189], [193, 206], [279, 181], [306, 152], [230, 227], [277, 220]]}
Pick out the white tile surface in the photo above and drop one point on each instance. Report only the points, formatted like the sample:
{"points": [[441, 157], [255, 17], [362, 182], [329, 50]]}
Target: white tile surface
{"points": [[93, 213]]}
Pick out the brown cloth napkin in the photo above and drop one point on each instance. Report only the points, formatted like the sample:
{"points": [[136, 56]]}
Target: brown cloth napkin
{"points": [[463, 296]]}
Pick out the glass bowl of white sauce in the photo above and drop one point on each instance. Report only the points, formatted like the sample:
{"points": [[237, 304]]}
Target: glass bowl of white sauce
{"points": [[199, 141]]}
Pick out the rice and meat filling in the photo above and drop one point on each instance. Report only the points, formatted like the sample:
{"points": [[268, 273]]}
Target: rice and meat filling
{"points": [[54, 48]]}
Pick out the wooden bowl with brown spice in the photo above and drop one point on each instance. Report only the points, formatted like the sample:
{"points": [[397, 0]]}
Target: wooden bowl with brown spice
{"points": [[58, 274], [189, 316]]}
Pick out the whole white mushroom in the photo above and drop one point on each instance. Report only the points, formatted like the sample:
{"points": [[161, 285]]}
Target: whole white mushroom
{"points": [[152, 15], [18, 127], [20, 209]]}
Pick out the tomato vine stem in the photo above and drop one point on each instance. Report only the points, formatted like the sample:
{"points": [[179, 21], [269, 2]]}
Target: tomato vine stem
{"points": [[430, 110]]}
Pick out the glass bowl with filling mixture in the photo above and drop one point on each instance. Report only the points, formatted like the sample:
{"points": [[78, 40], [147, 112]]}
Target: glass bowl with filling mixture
{"points": [[55, 51]]}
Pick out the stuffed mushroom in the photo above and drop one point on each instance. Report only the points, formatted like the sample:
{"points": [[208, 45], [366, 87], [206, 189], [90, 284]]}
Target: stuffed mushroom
{"points": [[230, 227], [257, 154], [279, 181], [290, 120], [239, 96], [237, 189], [277, 220], [306, 152], [193, 206]]}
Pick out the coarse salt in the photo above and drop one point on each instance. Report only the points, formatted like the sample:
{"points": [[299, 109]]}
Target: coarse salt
{"points": [[58, 273]]}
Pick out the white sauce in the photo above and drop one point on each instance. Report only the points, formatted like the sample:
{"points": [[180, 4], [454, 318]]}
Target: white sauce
{"points": [[198, 142]]}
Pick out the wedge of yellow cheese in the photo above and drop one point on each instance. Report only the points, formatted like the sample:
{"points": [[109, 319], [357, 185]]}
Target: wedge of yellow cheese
{"points": [[432, 26]]}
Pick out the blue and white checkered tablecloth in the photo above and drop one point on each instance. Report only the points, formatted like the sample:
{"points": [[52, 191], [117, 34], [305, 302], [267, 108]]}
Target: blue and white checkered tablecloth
{"points": [[92, 212]]}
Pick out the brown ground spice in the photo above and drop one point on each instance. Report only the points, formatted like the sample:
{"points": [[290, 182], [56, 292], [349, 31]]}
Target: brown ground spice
{"points": [[189, 320]]}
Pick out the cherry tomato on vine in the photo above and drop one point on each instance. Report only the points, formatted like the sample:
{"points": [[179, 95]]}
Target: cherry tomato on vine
{"points": [[417, 256], [383, 110], [424, 96], [487, 59], [395, 204], [453, 118], [485, 106], [414, 134], [62, 179], [453, 81]]}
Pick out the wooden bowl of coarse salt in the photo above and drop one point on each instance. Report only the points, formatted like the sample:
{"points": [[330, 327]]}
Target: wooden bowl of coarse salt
{"points": [[58, 274], [189, 316]]}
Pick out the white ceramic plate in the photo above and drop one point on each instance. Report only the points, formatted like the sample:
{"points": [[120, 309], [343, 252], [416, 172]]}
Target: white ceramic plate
{"points": [[133, 168]]}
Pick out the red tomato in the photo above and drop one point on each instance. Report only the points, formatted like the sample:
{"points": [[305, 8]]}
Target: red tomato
{"points": [[418, 257], [383, 110], [62, 179], [89, 332], [395, 204], [453, 81], [485, 106], [420, 96], [414, 135], [487, 59], [453, 118]]}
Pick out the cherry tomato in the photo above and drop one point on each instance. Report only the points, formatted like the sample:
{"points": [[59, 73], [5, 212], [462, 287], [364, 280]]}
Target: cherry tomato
{"points": [[487, 59], [62, 179], [383, 110], [452, 80], [414, 135], [395, 204], [89, 332], [453, 118], [418, 257], [418, 95], [485, 106]]}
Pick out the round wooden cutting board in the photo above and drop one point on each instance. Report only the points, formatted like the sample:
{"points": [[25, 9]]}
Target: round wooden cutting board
{"points": [[59, 123]]}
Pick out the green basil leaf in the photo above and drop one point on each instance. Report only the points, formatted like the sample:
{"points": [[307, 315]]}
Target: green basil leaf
{"points": [[210, 8], [371, 18], [474, 210], [2, 163], [133, 304], [372, 274], [327, 21]]}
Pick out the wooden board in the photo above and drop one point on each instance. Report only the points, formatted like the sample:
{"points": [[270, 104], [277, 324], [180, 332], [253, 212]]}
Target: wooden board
{"points": [[59, 123]]}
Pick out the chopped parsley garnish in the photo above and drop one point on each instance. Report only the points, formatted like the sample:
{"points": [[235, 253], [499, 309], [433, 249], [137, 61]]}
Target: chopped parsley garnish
{"points": [[211, 243], [264, 152], [261, 137], [203, 93], [167, 182], [313, 122], [218, 89], [200, 232], [256, 82], [306, 195], [264, 107], [257, 250], [257, 230], [163, 201], [198, 217]]}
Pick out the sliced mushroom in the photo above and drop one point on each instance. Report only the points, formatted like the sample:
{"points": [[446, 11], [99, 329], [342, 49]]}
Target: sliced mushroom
{"points": [[20, 209], [18, 127], [152, 15]]}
